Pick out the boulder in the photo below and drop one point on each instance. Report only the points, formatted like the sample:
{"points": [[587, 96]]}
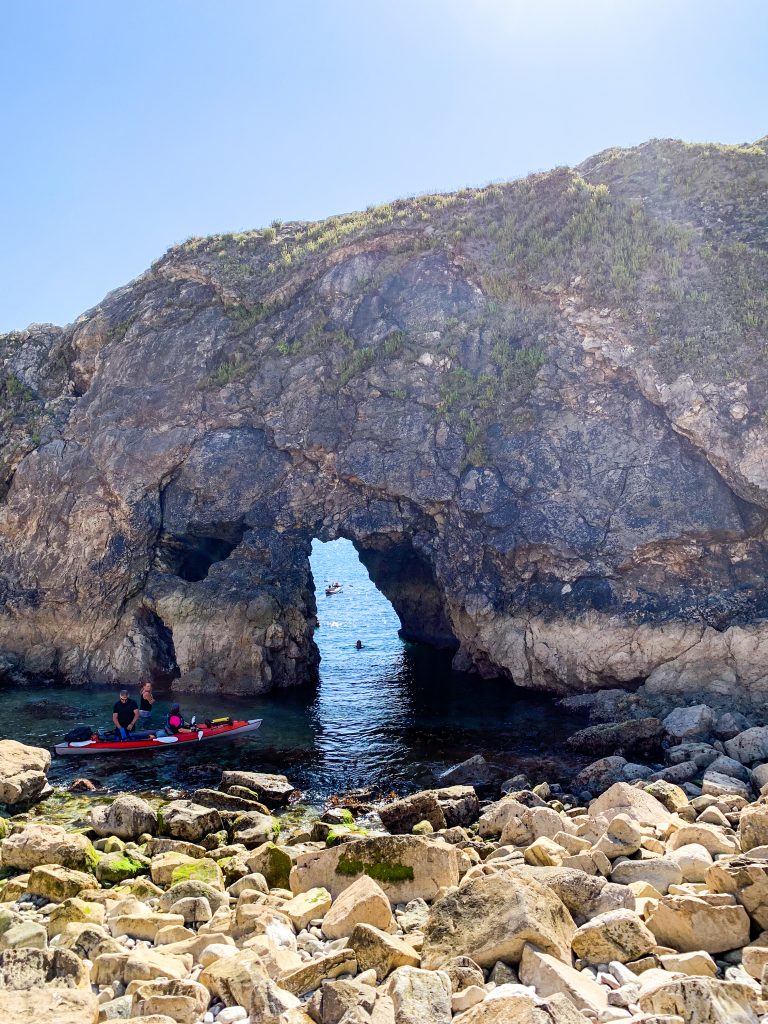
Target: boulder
{"points": [[730, 724], [459, 803], [548, 975], [717, 784], [252, 828], [49, 1006], [516, 1004], [724, 765], [193, 889], [312, 974], [492, 917], [420, 997], [377, 950], [696, 722], [274, 863], [702, 1001], [183, 819], [688, 924], [463, 973], [127, 817], [475, 771], [114, 868], [363, 902], [35, 969], [599, 775], [25, 934], [497, 816], [745, 879], [749, 746], [273, 790], [660, 872], [753, 826], [57, 883], [306, 907], [401, 816], [700, 754], [634, 737], [667, 793], [637, 804], [618, 935], [711, 837], [38, 844], [22, 772], [694, 861], [406, 867], [231, 978], [584, 896], [184, 1001]]}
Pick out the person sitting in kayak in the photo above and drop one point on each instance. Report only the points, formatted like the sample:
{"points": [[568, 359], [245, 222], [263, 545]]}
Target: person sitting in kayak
{"points": [[174, 721], [125, 714]]}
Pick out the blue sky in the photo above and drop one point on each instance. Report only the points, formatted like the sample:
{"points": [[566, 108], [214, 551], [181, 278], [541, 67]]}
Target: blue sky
{"points": [[128, 126]]}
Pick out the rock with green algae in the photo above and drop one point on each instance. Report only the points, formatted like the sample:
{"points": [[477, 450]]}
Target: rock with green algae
{"points": [[114, 868], [273, 862], [193, 888], [141, 888], [57, 883], [344, 833], [422, 828], [203, 870], [74, 911], [406, 867], [41, 843]]}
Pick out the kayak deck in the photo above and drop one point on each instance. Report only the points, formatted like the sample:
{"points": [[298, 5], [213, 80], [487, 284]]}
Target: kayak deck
{"points": [[184, 739]]}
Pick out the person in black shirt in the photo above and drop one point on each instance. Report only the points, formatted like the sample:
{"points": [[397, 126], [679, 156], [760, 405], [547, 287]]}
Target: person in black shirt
{"points": [[146, 700], [124, 714]]}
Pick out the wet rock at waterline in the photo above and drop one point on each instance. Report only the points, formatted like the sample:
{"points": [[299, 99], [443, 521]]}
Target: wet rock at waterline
{"points": [[555, 472]]}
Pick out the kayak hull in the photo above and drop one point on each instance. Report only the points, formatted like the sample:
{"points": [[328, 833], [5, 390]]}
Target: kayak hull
{"points": [[89, 748]]}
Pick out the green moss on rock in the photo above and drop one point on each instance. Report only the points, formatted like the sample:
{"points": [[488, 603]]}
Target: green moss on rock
{"points": [[378, 871]]}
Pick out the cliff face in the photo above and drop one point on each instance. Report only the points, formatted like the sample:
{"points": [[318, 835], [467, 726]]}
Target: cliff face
{"points": [[537, 409]]}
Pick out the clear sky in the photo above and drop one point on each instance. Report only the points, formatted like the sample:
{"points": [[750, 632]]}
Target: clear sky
{"points": [[128, 125]]}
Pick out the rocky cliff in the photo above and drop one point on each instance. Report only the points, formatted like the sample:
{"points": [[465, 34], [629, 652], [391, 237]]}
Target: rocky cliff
{"points": [[538, 409]]}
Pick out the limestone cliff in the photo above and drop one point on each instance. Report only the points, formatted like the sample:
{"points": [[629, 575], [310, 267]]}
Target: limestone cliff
{"points": [[538, 409]]}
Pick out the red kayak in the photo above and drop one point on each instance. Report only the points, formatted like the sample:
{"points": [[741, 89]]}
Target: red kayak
{"points": [[183, 739]]}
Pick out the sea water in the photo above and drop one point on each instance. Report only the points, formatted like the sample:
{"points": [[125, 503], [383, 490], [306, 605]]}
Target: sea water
{"points": [[390, 716]]}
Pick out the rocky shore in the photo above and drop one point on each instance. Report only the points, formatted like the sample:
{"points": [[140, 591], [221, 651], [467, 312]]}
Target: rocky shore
{"points": [[641, 900]]}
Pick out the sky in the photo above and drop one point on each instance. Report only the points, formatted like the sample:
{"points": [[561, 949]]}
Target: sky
{"points": [[126, 127]]}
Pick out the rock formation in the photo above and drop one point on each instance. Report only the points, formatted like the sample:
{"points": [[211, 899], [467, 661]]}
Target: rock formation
{"points": [[537, 410]]}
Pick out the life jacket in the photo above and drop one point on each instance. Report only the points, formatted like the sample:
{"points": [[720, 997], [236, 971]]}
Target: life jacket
{"points": [[173, 722]]}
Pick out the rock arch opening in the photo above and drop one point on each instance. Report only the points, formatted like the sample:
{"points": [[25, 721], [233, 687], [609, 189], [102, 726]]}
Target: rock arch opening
{"points": [[398, 572], [191, 555]]}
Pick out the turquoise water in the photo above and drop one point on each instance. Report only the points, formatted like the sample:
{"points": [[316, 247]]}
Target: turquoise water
{"points": [[389, 716]]}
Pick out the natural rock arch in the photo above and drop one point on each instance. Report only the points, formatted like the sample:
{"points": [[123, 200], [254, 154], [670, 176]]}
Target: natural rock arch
{"points": [[474, 389]]}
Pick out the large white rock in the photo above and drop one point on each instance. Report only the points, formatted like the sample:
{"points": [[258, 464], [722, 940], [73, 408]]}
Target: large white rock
{"points": [[406, 867], [38, 844], [618, 935], [635, 803], [22, 772], [420, 997], [702, 1001], [548, 975], [492, 917], [688, 924], [364, 902]]}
